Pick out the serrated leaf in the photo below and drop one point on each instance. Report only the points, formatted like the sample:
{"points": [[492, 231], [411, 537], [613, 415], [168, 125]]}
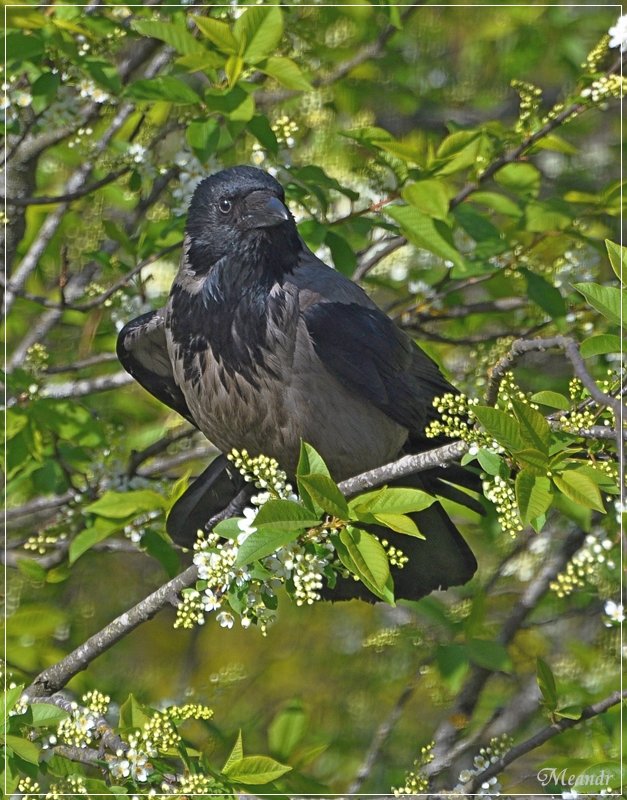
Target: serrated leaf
{"points": [[551, 399], [600, 344], [546, 684], [324, 491], [430, 196], [255, 770], [229, 528], [236, 754], [175, 35], [617, 255], [580, 488], [399, 523], [22, 748], [265, 541], [45, 714], [605, 299], [119, 505], [533, 495], [311, 461], [427, 233], [395, 500], [259, 30], [217, 32], [368, 555], [285, 515], [535, 460], [200, 61], [503, 427], [534, 429], [286, 72]]}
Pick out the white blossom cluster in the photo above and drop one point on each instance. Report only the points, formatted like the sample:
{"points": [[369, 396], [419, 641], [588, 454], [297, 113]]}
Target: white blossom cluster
{"points": [[586, 567], [494, 751], [250, 593]]}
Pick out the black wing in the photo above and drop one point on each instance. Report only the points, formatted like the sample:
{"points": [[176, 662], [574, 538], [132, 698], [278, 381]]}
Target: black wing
{"points": [[143, 351], [372, 357]]}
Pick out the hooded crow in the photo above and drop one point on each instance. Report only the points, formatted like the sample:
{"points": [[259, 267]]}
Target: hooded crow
{"points": [[262, 346]]}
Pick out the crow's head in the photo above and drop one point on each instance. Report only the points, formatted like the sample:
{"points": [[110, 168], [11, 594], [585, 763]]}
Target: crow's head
{"points": [[237, 211]]}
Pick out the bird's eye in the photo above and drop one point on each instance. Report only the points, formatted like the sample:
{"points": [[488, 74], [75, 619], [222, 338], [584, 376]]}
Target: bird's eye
{"points": [[224, 205]]}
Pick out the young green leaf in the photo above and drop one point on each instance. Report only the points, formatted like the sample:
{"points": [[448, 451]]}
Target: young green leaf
{"points": [[534, 429], [546, 684], [533, 495], [265, 541], [23, 748], [544, 294], [175, 35], [580, 488], [427, 233], [236, 754], [119, 505], [605, 299], [286, 72], [551, 399], [430, 196], [399, 523], [255, 770], [259, 30], [489, 654], [287, 729], [284, 515], [96, 533], [324, 491], [45, 714], [218, 33], [503, 427], [490, 462], [617, 255], [369, 556], [164, 87], [395, 500], [533, 460], [600, 344]]}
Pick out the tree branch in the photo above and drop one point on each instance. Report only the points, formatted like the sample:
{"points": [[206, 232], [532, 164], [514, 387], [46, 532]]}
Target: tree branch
{"points": [[543, 736], [68, 197]]}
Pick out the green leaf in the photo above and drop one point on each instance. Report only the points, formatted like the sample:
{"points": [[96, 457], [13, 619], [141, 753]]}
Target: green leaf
{"points": [[521, 179], [237, 104], [617, 255], [22, 748], [569, 712], [263, 542], [600, 344], [426, 233], [324, 491], [119, 505], [255, 770], [580, 488], [101, 529], [22, 46], [259, 30], [549, 215], [233, 68], [397, 500], [200, 61], [533, 495], [399, 523], [543, 294], [499, 202], [161, 550], [229, 528], [165, 87], [489, 654], [45, 714], [551, 399], [429, 196], [132, 714], [534, 429], [534, 460], [262, 131], [368, 555], [285, 515], [492, 463], [203, 137], [605, 299], [344, 258], [177, 36], [236, 754], [503, 427], [287, 729], [311, 461], [546, 684], [458, 151], [286, 72], [218, 33]]}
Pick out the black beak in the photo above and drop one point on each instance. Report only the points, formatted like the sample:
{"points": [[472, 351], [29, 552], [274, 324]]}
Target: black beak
{"points": [[264, 210]]}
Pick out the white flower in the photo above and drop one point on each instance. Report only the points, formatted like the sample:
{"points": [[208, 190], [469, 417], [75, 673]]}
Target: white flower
{"points": [[618, 33], [570, 795], [225, 620], [615, 612], [246, 524], [24, 99], [137, 152]]}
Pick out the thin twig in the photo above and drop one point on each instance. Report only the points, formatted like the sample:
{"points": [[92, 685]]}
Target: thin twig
{"points": [[68, 197]]}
